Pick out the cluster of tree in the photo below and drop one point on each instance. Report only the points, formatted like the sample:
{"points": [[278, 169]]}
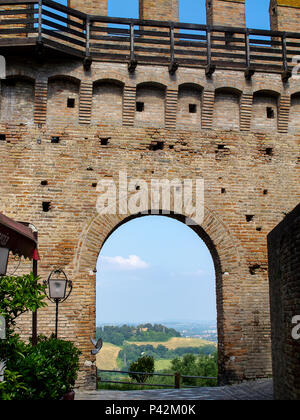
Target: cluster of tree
{"points": [[132, 352], [143, 332], [191, 365], [143, 364]]}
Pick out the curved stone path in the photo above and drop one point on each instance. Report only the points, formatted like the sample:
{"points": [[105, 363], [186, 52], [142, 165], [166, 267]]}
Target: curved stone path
{"points": [[253, 390]]}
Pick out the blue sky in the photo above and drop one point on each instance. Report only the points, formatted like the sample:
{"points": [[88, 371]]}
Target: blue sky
{"points": [[154, 268]]}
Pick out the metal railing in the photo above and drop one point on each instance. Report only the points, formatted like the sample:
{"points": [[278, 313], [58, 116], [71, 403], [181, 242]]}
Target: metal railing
{"points": [[140, 41], [178, 379]]}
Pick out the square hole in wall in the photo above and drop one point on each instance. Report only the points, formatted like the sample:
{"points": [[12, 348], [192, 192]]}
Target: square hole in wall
{"points": [[159, 145], [249, 218], [192, 108], [104, 141], [269, 151], [270, 113], [2, 137], [71, 103], [55, 139], [46, 205], [140, 106]]}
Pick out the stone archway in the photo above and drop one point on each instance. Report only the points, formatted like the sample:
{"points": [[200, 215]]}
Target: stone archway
{"points": [[225, 251]]}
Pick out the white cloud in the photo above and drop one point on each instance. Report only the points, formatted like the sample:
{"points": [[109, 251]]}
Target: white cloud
{"points": [[133, 262]]}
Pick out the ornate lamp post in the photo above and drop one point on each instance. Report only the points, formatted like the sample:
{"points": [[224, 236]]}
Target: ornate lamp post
{"points": [[58, 283]]}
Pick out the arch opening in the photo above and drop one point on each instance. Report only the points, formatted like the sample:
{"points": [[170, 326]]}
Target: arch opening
{"points": [[154, 271]]}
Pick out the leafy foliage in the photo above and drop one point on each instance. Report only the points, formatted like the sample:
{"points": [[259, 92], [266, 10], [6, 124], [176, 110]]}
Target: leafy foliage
{"points": [[19, 295], [43, 372], [192, 365], [143, 364], [12, 386]]}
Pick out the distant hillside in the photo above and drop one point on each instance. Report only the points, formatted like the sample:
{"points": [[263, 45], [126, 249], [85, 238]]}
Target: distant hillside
{"points": [[141, 333], [164, 352]]}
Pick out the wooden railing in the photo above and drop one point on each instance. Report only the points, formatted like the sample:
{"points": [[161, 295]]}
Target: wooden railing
{"points": [[178, 379], [141, 41]]}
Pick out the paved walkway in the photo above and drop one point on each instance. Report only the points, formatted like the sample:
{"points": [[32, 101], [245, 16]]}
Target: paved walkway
{"points": [[254, 390]]}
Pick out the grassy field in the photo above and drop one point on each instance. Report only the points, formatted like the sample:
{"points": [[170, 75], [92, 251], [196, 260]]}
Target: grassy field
{"points": [[175, 343], [162, 364], [107, 358]]}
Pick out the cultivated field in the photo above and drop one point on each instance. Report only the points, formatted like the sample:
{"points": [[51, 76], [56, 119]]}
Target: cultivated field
{"points": [[107, 358], [175, 343]]}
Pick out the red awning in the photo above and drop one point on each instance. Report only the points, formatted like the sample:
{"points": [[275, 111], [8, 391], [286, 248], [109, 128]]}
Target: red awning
{"points": [[18, 238]]}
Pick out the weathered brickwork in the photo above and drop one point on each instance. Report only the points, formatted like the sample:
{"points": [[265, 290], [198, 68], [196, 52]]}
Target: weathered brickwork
{"points": [[285, 15], [284, 269], [92, 7], [64, 128], [226, 13], [107, 105], [159, 10], [241, 177]]}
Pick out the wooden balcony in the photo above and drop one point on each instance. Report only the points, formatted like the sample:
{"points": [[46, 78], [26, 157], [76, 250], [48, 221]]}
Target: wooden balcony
{"points": [[45, 27]]}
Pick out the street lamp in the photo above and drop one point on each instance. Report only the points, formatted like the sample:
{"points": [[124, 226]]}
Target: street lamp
{"points": [[58, 283], [4, 252]]}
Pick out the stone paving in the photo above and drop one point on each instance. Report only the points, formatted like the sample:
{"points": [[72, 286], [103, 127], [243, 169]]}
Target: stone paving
{"points": [[254, 390]]}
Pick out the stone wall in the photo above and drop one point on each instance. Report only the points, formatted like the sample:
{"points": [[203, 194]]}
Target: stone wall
{"points": [[284, 269], [59, 157]]}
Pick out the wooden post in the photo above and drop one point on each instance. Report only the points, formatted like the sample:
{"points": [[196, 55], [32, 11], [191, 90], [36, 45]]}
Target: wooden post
{"points": [[284, 54], [177, 380], [247, 50], [132, 61], [286, 74], [40, 21], [88, 36]]}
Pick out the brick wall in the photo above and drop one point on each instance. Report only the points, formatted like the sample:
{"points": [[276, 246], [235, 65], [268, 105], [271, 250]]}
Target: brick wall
{"points": [[284, 268], [107, 105], [226, 13], [159, 10], [93, 7], [61, 91], [285, 15], [245, 193], [294, 122], [227, 110], [189, 107], [17, 100], [265, 112], [152, 100]]}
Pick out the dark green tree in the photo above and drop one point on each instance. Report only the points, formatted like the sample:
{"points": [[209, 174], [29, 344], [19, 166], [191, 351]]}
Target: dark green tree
{"points": [[143, 364]]}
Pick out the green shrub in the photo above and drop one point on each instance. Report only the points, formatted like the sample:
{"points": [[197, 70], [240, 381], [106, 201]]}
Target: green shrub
{"points": [[143, 364], [12, 386], [191, 365], [44, 372], [19, 295]]}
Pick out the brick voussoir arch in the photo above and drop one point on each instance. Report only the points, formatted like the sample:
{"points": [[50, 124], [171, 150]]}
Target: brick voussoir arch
{"points": [[213, 232], [225, 250]]}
